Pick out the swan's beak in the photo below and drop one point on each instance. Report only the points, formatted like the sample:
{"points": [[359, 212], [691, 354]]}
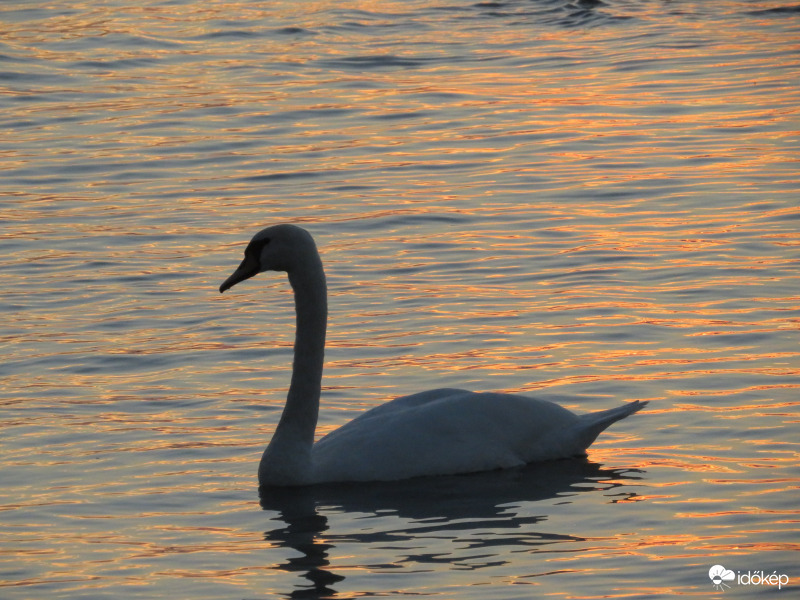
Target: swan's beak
{"points": [[246, 270]]}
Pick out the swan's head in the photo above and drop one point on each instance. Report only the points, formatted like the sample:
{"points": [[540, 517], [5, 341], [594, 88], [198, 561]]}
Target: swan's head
{"points": [[277, 248]]}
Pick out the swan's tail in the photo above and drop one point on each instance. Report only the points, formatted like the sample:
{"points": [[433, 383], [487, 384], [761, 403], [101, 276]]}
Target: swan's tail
{"points": [[592, 424]]}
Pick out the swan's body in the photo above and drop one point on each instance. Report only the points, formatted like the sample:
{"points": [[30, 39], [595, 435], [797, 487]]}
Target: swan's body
{"points": [[438, 432]]}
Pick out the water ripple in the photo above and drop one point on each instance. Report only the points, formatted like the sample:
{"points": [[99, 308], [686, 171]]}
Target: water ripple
{"points": [[587, 201]]}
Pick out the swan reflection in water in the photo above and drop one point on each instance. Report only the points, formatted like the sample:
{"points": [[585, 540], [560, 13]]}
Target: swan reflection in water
{"points": [[394, 450], [443, 510]]}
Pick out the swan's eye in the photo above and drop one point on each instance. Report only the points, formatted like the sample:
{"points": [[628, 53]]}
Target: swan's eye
{"points": [[254, 248]]}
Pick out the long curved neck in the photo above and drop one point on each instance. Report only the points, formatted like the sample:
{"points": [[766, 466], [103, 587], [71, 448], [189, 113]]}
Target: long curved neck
{"points": [[311, 306], [287, 459]]}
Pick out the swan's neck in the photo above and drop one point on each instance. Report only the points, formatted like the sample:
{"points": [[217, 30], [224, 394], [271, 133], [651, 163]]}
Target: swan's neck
{"points": [[287, 459]]}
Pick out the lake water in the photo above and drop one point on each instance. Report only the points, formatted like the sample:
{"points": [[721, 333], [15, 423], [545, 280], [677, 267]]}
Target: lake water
{"points": [[587, 201]]}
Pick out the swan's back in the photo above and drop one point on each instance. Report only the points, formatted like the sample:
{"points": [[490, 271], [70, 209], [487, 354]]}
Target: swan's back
{"points": [[449, 431]]}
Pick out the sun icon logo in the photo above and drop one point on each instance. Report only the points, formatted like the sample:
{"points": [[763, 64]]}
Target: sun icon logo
{"points": [[719, 575]]}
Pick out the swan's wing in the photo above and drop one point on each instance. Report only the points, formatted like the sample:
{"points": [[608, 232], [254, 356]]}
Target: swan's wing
{"points": [[445, 431]]}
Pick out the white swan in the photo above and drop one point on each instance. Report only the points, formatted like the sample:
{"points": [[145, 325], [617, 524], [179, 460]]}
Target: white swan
{"points": [[444, 431]]}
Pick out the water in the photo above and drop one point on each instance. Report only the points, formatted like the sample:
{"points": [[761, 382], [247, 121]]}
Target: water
{"points": [[592, 202]]}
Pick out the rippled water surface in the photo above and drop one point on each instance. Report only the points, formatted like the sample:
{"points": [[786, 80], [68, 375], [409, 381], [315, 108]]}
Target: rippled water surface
{"points": [[591, 202]]}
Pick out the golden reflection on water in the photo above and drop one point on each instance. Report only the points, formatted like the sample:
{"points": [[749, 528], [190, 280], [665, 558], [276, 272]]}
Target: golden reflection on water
{"points": [[561, 210]]}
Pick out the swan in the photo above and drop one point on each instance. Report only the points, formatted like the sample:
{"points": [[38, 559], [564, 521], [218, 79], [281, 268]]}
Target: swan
{"points": [[437, 432]]}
